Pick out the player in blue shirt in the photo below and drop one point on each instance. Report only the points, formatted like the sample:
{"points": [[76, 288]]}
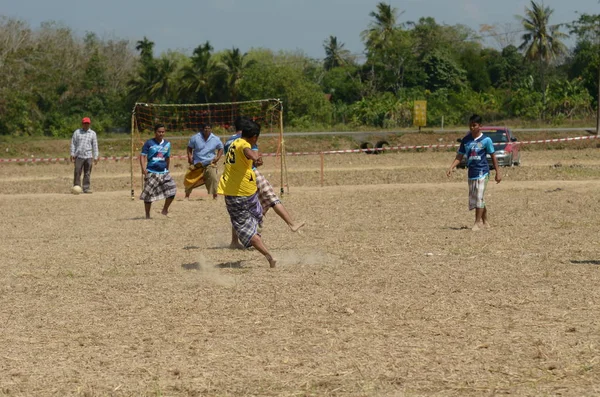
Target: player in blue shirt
{"points": [[476, 146], [204, 152], [158, 184]]}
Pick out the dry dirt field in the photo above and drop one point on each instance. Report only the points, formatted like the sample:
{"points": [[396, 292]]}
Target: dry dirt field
{"points": [[385, 292]]}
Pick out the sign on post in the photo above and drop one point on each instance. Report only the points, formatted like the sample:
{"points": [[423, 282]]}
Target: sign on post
{"points": [[420, 114]]}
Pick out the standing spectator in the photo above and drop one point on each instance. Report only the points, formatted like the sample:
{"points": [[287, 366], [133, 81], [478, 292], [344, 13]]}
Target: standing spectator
{"points": [[204, 151], [158, 184], [84, 151]]}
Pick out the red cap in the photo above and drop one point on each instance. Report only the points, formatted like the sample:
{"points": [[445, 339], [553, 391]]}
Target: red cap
{"points": [[86, 120]]}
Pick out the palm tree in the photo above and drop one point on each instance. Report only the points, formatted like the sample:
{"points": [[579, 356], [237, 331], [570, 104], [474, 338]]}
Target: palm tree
{"points": [[139, 86], [234, 64], [335, 53], [542, 41], [146, 48], [381, 30], [156, 83], [198, 77], [163, 88]]}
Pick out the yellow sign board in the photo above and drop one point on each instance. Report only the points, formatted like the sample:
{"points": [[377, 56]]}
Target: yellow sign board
{"points": [[420, 114]]}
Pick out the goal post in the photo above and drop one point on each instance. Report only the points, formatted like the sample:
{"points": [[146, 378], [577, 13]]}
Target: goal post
{"points": [[182, 118]]}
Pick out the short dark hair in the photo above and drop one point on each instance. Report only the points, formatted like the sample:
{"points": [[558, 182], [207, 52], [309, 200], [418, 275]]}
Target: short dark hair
{"points": [[250, 129], [157, 126], [475, 119], [239, 122]]}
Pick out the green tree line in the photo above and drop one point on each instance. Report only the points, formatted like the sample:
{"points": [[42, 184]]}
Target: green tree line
{"points": [[51, 78]]}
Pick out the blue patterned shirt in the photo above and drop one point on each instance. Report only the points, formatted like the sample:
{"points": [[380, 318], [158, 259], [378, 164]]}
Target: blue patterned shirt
{"points": [[475, 151], [157, 153]]}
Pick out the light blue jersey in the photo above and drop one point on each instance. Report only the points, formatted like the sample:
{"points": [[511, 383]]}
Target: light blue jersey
{"points": [[204, 150]]}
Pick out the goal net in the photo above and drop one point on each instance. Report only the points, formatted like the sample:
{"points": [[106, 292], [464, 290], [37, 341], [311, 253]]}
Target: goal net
{"points": [[183, 120]]}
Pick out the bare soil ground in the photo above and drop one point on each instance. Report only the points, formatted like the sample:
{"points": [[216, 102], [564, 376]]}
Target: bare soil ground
{"points": [[385, 292]]}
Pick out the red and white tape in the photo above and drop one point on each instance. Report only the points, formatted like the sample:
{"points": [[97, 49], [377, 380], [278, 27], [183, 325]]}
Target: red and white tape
{"points": [[386, 148]]}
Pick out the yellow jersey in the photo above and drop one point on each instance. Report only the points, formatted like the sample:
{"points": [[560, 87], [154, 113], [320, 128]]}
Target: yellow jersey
{"points": [[238, 178]]}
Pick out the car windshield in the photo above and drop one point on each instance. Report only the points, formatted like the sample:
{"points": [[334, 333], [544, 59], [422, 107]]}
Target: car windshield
{"points": [[496, 136]]}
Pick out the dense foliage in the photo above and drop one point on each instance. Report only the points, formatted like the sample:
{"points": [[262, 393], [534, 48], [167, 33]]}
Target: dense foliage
{"points": [[51, 78]]}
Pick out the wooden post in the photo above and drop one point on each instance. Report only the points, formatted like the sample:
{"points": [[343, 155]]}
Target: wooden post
{"points": [[131, 152], [598, 110], [282, 148], [322, 169]]}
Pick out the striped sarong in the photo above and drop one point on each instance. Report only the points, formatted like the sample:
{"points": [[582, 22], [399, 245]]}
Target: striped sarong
{"points": [[266, 193], [245, 213], [476, 192], [158, 187]]}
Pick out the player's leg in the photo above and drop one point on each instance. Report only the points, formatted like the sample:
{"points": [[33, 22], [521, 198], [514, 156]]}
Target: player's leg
{"points": [[235, 242], [147, 207], [284, 214], [169, 190], [257, 243], [77, 172], [478, 222], [211, 181], [168, 201], [479, 187], [484, 218], [268, 199], [87, 172]]}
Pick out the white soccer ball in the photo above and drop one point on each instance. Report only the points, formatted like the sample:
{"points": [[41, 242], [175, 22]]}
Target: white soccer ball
{"points": [[76, 189]]}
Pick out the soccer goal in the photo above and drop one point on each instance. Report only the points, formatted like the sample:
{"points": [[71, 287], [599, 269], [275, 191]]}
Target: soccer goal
{"points": [[181, 118]]}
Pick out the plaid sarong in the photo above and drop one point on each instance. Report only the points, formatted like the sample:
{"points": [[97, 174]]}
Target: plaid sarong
{"points": [[246, 215], [477, 191], [266, 193], [158, 187]]}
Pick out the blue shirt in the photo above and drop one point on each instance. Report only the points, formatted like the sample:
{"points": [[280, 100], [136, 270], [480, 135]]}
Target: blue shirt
{"points": [[157, 152], [475, 151], [204, 150]]}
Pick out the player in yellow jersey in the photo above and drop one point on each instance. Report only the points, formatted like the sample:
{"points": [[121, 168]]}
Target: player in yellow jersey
{"points": [[238, 185]]}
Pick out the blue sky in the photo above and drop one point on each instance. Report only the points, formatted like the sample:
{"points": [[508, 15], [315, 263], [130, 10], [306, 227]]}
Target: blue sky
{"points": [[275, 24]]}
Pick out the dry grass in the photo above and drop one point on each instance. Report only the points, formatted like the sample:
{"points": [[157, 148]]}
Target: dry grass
{"points": [[384, 293]]}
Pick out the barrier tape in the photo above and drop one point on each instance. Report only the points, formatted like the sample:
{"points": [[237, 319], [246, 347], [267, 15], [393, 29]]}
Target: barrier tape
{"points": [[386, 148]]}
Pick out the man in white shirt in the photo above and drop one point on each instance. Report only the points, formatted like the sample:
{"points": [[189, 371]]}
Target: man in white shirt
{"points": [[84, 151]]}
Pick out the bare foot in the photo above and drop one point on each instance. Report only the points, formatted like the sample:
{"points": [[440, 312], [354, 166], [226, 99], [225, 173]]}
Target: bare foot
{"points": [[272, 262], [477, 226], [236, 246], [486, 225], [165, 214], [296, 226]]}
